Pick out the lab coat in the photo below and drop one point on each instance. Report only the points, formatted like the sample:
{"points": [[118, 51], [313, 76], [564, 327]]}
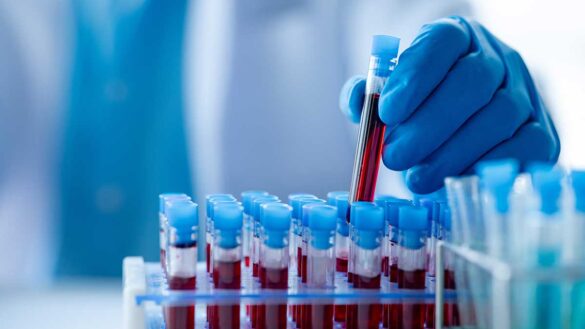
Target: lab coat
{"points": [[198, 97]]}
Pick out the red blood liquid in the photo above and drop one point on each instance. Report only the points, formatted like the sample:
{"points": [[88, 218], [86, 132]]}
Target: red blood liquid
{"points": [[364, 315], [394, 273], [299, 260], [372, 151], [430, 322], [340, 313], [450, 310], [385, 269], [272, 316], [304, 268], [341, 265], [226, 275], [163, 261], [412, 316], [180, 317], [255, 270], [208, 257], [247, 261], [317, 317], [350, 276]]}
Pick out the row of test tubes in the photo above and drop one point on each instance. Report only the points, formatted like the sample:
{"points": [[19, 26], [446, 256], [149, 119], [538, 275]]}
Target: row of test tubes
{"points": [[369, 245]]}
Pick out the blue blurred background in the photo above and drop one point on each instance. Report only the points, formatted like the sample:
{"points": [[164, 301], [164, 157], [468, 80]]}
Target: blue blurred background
{"points": [[105, 104]]}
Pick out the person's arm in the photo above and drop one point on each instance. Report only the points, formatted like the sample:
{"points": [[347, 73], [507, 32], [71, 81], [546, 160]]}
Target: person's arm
{"points": [[458, 96]]}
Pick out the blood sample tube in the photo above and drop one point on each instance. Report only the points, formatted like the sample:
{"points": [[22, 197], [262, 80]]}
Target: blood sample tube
{"points": [[371, 131], [256, 204], [182, 259], [163, 224], [296, 227], [274, 261], [412, 263], [450, 309], [209, 199], [380, 201], [341, 248], [352, 237], [320, 264], [227, 262], [368, 225], [247, 233]]}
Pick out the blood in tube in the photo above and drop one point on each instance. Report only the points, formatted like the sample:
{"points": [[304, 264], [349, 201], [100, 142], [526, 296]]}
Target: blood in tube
{"points": [[178, 317], [272, 316], [413, 315], [226, 275], [341, 264], [451, 311]]}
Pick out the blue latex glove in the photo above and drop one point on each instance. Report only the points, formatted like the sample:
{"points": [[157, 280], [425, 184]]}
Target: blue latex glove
{"points": [[457, 96]]}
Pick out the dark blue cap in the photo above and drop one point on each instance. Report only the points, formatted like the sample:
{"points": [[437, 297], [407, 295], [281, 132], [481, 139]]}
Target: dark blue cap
{"points": [[183, 217], [228, 218], [342, 203], [276, 217], [306, 210], [547, 182], [578, 182], [248, 196], [391, 211], [297, 202], [322, 222], [368, 223], [210, 198], [164, 197], [497, 177], [331, 196], [413, 226]]}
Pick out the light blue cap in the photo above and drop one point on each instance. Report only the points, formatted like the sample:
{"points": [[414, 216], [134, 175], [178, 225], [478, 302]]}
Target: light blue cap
{"points": [[342, 204], [257, 202], [497, 177], [385, 46], [547, 182], [322, 222], [331, 196], [297, 202], [164, 197], [276, 217], [216, 202], [228, 218], [368, 223], [210, 198], [248, 197], [578, 182], [391, 211], [306, 210], [381, 199], [413, 226], [183, 217], [357, 204]]}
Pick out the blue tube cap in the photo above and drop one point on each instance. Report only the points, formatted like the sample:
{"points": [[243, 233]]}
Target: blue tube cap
{"points": [[391, 211], [368, 222], [385, 46], [210, 198], [183, 217], [342, 204], [322, 223], [257, 203], [228, 218], [277, 218], [413, 223], [306, 210], [297, 202], [248, 197], [547, 182], [497, 177], [381, 199], [331, 197], [164, 197], [578, 182]]}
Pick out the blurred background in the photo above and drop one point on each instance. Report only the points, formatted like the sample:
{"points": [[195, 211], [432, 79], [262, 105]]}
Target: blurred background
{"points": [[106, 104]]}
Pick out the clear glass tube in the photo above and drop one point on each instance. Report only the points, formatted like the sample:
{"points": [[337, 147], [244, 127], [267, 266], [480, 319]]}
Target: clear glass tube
{"points": [[341, 252]]}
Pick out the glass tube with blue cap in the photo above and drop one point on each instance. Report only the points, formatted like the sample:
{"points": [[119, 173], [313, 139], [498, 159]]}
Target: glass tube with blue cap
{"points": [[296, 236], [209, 199], [257, 228], [305, 212], [182, 259], [164, 223], [274, 262], [247, 234], [320, 264], [227, 262], [371, 131]]}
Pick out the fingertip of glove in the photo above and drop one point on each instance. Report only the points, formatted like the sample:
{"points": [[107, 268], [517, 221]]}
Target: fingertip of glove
{"points": [[351, 97], [419, 181]]}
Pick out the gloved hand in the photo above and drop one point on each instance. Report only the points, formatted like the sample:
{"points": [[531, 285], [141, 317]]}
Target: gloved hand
{"points": [[457, 96]]}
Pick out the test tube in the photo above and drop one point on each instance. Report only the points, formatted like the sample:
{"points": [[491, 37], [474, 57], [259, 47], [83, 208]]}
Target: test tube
{"points": [[368, 222], [163, 224], [450, 310], [320, 264], [296, 227], [182, 259], [247, 234], [411, 264], [227, 262], [578, 227], [209, 199], [371, 130], [341, 248], [352, 237], [274, 262], [380, 201], [256, 208]]}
